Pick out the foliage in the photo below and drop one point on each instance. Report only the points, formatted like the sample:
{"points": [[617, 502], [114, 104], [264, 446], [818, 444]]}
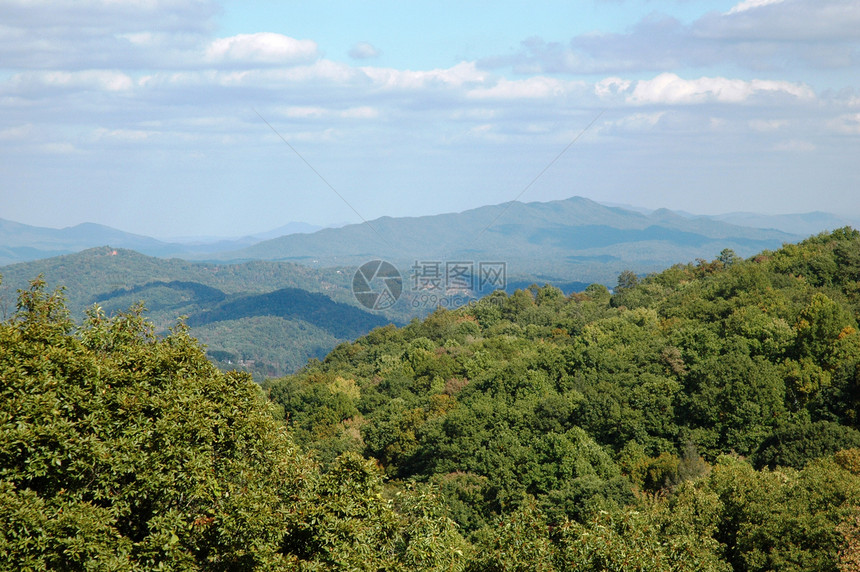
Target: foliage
{"points": [[849, 555], [543, 411], [783, 519], [652, 536], [123, 451], [795, 445], [257, 344]]}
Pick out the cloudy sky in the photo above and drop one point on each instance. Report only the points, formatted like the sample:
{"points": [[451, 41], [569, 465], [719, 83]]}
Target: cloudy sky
{"points": [[165, 117]]}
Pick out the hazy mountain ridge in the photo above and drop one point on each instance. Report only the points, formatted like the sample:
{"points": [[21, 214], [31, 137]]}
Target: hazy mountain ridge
{"points": [[489, 231], [574, 239], [806, 224], [22, 243], [801, 223]]}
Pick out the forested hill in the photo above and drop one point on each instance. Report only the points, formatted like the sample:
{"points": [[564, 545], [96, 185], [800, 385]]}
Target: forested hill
{"points": [[264, 317], [343, 321], [104, 270], [730, 388]]}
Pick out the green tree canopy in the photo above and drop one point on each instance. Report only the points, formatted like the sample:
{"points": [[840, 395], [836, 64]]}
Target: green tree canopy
{"points": [[122, 451]]}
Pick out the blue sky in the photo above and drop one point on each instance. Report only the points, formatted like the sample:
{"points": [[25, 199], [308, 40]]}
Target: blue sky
{"points": [[145, 114]]}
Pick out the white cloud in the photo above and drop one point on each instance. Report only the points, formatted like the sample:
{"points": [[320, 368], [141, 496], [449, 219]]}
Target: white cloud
{"points": [[637, 121], [321, 70], [16, 133], [531, 88], [125, 135], [783, 21], [611, 86], [754, 34], [751, 4], [87, 80], [794, 146], [59, 148], [364, 112], [88, 34], [306, 112], [114, 14], [485, 132], [263, 80], [766, 125], [363, 51], [848, 124], [316, 112], [668, 88], [459, 75], [326, 135], [717, 123], [263, 47], [473, 114]]}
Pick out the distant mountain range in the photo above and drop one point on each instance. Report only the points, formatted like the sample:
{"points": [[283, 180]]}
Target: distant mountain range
{"points": [[805, 224], [578, 229], [571, 240], [21, 242]]}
